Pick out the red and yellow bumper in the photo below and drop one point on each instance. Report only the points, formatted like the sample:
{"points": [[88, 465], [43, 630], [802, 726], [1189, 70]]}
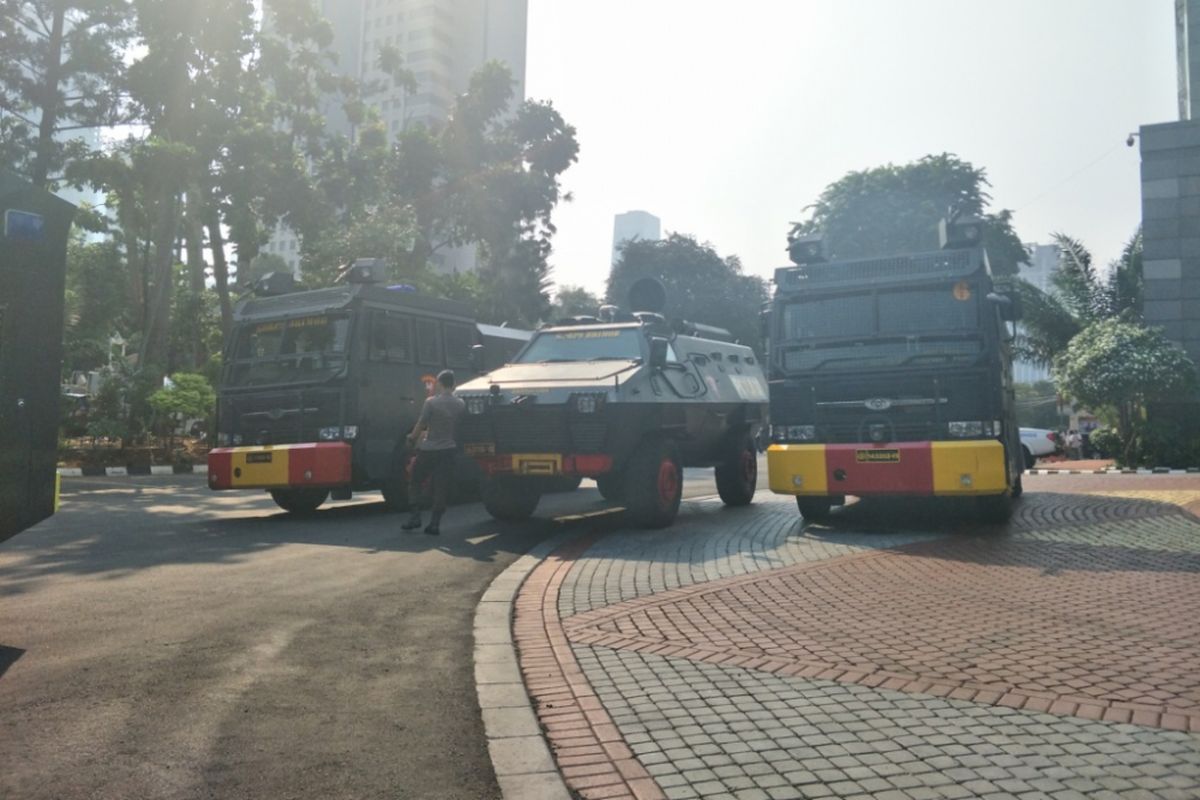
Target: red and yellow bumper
{"points": [[545, 464], [863, 470], [323, 465]]}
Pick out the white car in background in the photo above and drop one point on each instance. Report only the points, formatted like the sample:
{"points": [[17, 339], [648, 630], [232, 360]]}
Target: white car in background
{"points": [[1037, 442]]}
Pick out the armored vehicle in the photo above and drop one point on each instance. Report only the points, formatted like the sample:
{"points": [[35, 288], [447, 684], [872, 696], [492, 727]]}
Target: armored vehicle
{"points": [[320, 387], [893, 376], [624, 398]]}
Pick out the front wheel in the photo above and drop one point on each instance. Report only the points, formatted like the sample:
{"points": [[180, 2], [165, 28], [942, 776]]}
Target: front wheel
{"points": [[299, 501], [510, 499], [609, 485], [812, 508], [653, 485], [995, 508], [395, 485], [737, 478]]}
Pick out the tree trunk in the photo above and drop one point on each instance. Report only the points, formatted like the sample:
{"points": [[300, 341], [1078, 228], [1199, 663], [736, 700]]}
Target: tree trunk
{"points": [[48, 99], [216, 241], [194, 232]]}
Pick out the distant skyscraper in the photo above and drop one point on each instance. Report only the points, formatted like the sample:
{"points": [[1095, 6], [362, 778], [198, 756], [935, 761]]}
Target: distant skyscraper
{"points": [[634, 225], [442, 42], [1043, 259]]}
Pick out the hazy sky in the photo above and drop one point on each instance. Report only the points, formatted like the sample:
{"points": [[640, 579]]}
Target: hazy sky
{"points": [[726, 119]]}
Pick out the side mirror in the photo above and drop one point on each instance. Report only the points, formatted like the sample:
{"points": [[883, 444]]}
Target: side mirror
{"points": [[1008, 305], [658, 352], [477, 357]]}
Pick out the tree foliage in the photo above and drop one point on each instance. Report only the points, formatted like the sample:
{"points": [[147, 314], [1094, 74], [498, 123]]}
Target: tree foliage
{"points": [[573, 301], [1119, 367], [701, 285], [1079, 297], [896, 209], [63, 73]]}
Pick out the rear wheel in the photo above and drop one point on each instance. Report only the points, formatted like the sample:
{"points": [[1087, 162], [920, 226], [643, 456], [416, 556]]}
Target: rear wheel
{"points": [[737, 478], [812, 508], [509, 498], [564, 483], [299, 501], [653, 485], [610, 487], [1030, 458]]}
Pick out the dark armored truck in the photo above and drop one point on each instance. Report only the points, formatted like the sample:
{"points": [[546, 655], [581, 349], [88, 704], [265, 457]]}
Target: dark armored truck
{"points": [[320, 387], [893, 376], [624, 398]]}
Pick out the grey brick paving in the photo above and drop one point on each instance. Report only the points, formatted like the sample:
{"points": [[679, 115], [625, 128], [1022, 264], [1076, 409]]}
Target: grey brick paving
{"points": [[711, 544], [933, 748]]}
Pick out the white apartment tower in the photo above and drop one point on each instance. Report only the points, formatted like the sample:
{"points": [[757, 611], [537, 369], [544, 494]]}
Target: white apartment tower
{"points": [[442, 43], [634, 225]]}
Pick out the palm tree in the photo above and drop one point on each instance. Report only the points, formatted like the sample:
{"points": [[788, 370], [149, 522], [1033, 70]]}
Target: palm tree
{"points": [[1079, 297]]}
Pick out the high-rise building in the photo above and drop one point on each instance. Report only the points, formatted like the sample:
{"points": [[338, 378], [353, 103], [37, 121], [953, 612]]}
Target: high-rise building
{"points": [[634, 225], [442, 42], [1171, 199], [1043, 258]]}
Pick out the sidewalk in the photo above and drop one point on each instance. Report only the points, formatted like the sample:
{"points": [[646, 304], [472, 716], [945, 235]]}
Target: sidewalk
{"points": [[737, 655]]}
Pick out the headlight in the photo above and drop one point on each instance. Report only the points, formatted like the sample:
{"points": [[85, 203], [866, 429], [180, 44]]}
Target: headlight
{"points": [[329, 434], [588, 403], [964, 429], [350, 432], [802, 433], [476, 405]]}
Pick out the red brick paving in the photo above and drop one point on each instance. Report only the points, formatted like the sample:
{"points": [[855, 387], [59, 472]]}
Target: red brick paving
{"points": [[1093, 631], [593, 758]]}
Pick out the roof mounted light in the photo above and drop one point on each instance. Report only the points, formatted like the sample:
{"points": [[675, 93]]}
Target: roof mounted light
{"points": [[362, 270], [958, 232], [273, 284], [808, 249]]}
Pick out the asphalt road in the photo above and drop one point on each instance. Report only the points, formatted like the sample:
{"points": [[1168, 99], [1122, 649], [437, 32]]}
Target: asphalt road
{"points": [[161, 641]]}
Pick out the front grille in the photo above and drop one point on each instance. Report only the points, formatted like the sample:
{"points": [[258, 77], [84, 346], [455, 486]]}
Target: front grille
{"points": [[849, 432], [281, 417], [535, 429]]}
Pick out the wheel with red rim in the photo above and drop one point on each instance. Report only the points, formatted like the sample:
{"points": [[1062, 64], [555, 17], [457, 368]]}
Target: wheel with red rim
{"points": [[653, 485], [737, 478]]}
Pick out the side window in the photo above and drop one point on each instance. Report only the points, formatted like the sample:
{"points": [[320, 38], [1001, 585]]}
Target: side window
{"points": [[429, 342], [391, 338], [459, 339]]}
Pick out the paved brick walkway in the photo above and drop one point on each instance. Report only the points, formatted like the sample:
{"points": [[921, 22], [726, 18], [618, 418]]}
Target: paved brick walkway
{"points": [[883, 655]]}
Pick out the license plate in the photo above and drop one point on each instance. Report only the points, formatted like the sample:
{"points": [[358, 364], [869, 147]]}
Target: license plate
{"points": [[877, 456], [481, 449], [258, 458], [537, 464]]}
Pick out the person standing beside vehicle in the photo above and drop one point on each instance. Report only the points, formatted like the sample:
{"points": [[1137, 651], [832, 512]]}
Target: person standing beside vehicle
{"points": [[1074, 445], [435, 453]]}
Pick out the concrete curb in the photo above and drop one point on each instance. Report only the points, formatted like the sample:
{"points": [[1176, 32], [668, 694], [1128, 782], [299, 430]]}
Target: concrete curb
{"points": [[524, 766], [1115, 471], [133, 471]]}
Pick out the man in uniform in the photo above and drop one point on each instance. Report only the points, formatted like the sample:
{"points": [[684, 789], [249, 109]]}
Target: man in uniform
{"points": [[435, 453]]}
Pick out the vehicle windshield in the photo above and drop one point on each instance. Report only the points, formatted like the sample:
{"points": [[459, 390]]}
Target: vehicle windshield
{"points": [[890, 328], [296, 350], [623, 344]]}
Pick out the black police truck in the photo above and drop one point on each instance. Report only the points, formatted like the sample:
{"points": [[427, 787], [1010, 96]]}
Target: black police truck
{"points": [[320, 387]]}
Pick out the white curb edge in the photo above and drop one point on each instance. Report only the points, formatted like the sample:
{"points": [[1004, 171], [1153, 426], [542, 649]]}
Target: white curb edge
{"points": [[524, 767]]}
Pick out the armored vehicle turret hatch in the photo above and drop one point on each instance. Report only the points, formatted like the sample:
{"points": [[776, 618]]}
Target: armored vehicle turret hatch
{"points": [[624, 398]]}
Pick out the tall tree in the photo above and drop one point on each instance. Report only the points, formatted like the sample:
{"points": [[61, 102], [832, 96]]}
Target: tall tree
{"points": [[572, 301], [896, 209], [62, 73], [701, 286]]}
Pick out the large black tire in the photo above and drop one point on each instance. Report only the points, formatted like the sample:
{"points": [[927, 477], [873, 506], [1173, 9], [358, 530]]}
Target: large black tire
{"points": [[299, 501], [564, 483], [737, 478], [653, 485], [812, 508], [509, 498], [610, 487], [995, 508], [395, 486], [1030, 458], [1018, 488]]}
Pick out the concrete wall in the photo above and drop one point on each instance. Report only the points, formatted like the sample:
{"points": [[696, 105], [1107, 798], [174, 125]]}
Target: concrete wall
{"points": [[1171, 227]]}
